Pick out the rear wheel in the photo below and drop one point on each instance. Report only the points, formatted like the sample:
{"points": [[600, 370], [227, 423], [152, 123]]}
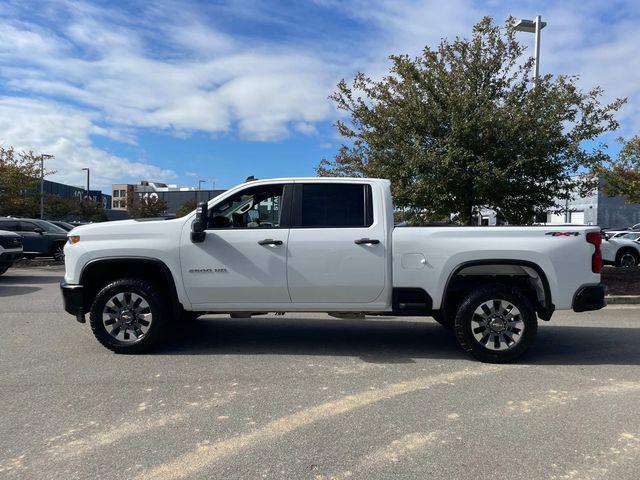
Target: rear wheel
{"points": [[130, 316], [496, 324], [4, 268], [627, 259]]}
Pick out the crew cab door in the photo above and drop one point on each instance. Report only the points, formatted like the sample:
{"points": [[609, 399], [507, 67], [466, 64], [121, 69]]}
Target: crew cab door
{"points": [[242, 261], [337, 244]]}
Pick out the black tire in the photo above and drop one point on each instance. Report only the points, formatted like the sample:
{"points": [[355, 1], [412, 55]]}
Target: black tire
{"points": [[159, 309], [623, 255], [465, 324], [57, 252], [447, 321], [4, 268]]}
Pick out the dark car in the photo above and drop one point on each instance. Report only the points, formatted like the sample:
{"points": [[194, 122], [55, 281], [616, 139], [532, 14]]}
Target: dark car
{"points": [[39, 238], [67, 227], [10, 249]]}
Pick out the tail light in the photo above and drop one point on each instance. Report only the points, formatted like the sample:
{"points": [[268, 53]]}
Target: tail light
{"points": [[595, 238]]}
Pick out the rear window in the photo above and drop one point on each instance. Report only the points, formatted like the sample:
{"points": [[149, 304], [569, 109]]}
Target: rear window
{"points": [[336, 205], [10, 225]]}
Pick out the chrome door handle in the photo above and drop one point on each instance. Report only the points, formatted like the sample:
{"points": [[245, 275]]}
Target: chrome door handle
{"points": [[367, 241], [270, 241]]}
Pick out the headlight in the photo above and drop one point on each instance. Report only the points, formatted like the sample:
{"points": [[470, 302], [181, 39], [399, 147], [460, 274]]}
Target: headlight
{"points": [[73, 239]]}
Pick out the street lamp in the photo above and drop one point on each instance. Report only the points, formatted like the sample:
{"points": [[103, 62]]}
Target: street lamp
{"points": [[88, 194], [42, 157], [533, 26]]}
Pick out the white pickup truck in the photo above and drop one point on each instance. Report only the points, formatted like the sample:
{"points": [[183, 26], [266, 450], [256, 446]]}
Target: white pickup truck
{"points": [[326, 245]]}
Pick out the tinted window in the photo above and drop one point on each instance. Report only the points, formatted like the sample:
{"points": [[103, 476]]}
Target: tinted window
{"points": [[28, 227], [9, 225], [336, 205], [256, 207]]}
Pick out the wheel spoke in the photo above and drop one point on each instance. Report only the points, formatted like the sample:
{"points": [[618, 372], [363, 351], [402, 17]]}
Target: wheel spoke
{"points": [[497, 324], [127, 317]]}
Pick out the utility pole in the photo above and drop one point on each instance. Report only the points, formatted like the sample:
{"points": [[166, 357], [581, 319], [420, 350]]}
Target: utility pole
{"points": [[42, 157], [200, 182], [535, 27], [88, 191]]}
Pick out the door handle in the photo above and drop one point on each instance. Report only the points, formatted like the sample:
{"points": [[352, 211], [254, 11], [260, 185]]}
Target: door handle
{"points": [[270, 241], [367, 241]]}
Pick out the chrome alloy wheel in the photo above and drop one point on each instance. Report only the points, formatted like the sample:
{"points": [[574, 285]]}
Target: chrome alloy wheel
{"points": [[627, 260], [127, 317], [497, 325]]}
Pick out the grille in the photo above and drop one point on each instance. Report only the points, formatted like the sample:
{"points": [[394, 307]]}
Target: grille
{"points": [[11, 242]]}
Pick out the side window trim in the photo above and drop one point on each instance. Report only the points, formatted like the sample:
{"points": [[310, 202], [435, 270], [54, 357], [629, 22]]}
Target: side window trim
{"points": [[296, 208], [285, 216]]}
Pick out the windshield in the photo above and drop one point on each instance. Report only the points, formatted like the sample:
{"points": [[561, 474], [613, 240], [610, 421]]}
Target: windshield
{"points": [[48, 227]]}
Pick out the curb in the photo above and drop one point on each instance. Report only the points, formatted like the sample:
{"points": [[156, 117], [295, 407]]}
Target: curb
{"points": [[622, 299]]}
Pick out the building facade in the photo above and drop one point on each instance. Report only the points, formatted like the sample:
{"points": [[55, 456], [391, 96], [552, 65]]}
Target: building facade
{"points": [[73, 192], [172, 195]]}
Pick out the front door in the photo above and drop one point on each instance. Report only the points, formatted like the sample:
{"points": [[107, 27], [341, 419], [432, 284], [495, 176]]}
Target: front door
{"points": [[337, 245], [242, 260]]}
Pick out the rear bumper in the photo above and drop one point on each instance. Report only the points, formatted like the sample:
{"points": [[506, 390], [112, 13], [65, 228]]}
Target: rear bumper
{"points": [[73, 300], [589, 298]]}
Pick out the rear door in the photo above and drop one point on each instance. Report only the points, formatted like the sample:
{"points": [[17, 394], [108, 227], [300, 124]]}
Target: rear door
{"points": [[337, 244], [33, 241]]}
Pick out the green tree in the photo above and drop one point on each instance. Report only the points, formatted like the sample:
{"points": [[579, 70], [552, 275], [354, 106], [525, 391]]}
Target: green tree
{"points": [[461, 127], [622, 175], [19, 182], [186, 208], [59, 208], [145, 207], [90, 211]]}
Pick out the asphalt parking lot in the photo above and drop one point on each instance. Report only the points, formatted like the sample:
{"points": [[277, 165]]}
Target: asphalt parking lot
{"points": [[311, 397]]}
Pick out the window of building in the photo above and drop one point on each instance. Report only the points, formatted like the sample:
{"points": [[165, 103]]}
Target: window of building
{"points": [[336, 205]]}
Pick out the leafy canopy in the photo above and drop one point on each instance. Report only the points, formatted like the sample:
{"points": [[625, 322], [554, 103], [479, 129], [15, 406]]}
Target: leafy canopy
{"points": [[623, 174], [462, 127], [19, 182], [144, 207]]}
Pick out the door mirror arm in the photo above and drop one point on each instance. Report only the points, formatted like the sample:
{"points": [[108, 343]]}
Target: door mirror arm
{"points": [[199, 226]]}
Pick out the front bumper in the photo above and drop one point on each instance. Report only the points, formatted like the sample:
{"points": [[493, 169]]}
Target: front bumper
{"points": [[73, 300], [10, 256], [589, 298]]}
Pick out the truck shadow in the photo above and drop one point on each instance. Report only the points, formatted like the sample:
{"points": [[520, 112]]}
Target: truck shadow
{"points": [[391, 341], [9, 279]]}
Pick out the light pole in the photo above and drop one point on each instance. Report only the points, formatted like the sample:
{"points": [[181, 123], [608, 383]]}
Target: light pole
{"points": [[200, 182], [533, 26], [88, 194], [42, 157]]}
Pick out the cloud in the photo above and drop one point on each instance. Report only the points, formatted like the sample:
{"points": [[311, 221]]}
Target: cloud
{"points": [[65, 132], [73, 70]]}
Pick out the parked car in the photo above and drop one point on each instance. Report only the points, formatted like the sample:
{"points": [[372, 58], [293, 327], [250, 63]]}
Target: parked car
{"points": [[10, 249], [39, 237], [326, 245], [620, 251], [635, 236], [67, 227]]}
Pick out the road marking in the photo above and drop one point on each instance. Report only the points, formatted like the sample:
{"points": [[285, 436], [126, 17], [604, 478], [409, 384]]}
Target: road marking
{"points": [[626, 449], [207, 454], [393, 453]]}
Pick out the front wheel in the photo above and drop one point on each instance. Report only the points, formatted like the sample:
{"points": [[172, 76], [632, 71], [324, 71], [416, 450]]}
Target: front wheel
{"points": [[58, 252], [4, 268], [496, 324], [130, 316]]}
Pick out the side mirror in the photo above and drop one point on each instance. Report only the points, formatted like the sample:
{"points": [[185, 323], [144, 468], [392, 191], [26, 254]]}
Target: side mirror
{"points": [[38, 230], [200, 224]]}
